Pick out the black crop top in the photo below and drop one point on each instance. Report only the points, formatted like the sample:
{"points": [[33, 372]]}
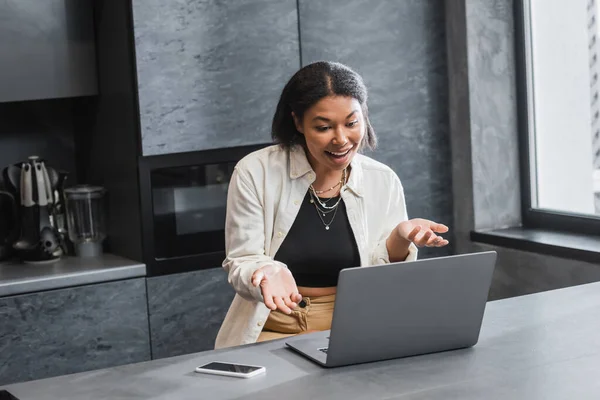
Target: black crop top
{"points": [[315, 255]]}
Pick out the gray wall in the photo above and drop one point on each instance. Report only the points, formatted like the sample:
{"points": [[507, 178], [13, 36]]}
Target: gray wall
{"points": [[210, 73], [484, 141], [399, 49], [44, 128]]}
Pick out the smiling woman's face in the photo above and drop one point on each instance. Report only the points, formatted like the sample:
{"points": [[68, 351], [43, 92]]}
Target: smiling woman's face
{"points": [[333, 129]]}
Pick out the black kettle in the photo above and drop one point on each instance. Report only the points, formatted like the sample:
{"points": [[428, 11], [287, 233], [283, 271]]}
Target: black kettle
{"points": [[8, 224]]}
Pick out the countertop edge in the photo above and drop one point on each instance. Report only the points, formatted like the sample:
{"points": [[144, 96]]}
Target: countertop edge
{"points": [[79, 278]]}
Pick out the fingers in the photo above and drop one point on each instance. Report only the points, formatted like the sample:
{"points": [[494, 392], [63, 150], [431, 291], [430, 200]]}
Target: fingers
{"points": [[296, 297], [438, 228], [257, 277], [427, 239], [282, 306], [289, 303], [433, 240], [423, 239], [267, 296], [443, 242], [412, 236], [270, 303], [271, 284], [437, 241]]}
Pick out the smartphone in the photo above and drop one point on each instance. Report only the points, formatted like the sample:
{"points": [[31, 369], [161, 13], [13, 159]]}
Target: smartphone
{"points": [[230, 369]]}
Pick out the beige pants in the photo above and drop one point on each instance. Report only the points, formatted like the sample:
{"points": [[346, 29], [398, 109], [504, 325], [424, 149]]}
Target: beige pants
{"points": [[315, 316]]}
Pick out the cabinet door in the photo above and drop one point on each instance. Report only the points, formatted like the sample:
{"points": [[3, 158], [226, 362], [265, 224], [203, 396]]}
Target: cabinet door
{"points": [[72, 330], [47, 49], [186, 311], [399, 48], [210, 72]]}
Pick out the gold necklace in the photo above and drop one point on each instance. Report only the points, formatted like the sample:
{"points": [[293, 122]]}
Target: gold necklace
{"points": [[324, 205], [342, 180], [314, 199]]}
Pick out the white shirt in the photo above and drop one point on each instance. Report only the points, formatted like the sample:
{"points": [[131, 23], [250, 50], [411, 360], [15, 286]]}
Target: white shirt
{"points": [[265, 193]]}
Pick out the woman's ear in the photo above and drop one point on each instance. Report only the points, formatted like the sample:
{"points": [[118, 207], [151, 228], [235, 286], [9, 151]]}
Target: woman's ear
{"points": [[297, 123]]}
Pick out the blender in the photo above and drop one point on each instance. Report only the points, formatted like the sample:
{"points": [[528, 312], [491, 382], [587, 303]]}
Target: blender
{"points": [[86, 219]]}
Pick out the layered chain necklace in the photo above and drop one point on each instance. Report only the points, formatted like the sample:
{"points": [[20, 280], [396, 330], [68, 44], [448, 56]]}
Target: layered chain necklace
{"points": [[323, 207]]}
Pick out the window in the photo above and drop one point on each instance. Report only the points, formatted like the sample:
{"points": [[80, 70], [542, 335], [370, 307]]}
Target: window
{"points": [[558, 69]]}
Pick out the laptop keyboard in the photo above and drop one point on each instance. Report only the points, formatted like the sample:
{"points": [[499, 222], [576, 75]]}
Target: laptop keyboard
{"points": [[324, 349]]}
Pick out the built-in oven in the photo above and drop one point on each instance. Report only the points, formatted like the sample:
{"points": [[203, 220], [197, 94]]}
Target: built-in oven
{"points": [[183, 204]]}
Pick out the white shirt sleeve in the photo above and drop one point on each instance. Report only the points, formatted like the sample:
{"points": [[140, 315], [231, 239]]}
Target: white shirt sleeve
{"points": [[244, 237], [394, 214]]}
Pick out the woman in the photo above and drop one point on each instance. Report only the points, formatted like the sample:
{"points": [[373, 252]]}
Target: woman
{"points": [[300, 211]]}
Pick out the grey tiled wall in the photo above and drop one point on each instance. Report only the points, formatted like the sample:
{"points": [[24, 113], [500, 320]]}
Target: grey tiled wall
{"points": [[399, 47], [210, 73], [485, 152], [494, 136]]}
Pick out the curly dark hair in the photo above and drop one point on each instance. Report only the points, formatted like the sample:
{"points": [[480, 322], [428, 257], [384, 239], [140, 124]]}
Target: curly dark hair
{"points": [[309, 85]]}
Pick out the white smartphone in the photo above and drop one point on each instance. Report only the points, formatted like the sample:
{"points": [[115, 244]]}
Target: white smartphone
{"points": [[230, 369]]}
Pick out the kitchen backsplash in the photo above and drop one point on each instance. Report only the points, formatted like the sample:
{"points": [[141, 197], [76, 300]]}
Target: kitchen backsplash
{"points": [[43, 128]]}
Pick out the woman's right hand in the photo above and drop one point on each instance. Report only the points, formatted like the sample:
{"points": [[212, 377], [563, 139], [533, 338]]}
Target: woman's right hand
{"points": [[278, 287]]}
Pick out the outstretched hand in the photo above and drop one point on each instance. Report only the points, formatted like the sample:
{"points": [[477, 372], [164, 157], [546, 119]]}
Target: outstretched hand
{"points": [[278, 287], [423, 232]]}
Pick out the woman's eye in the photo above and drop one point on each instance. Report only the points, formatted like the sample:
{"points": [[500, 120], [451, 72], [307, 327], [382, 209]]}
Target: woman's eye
{"points": [[353, 123], [322, 128]]}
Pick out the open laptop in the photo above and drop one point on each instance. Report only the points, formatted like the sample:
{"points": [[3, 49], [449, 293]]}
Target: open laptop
{"points": [[403, 309]]}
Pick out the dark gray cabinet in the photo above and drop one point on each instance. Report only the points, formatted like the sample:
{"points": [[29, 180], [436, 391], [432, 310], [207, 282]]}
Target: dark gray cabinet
{"points": [[399, 49], [71, 330], [77, 329], [210, 73], [47, 49], [186, 311]]}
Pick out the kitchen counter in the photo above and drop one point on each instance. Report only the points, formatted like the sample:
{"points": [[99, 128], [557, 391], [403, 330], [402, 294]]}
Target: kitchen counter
{"points": [[541, 346], [70, 271]]}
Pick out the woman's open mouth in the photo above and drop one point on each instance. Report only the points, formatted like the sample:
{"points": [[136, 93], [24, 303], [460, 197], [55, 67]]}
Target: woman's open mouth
{"points": [[339, 156]]}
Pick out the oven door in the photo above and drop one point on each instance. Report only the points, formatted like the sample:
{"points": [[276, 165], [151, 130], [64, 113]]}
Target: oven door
{"points": [[184, 209]]}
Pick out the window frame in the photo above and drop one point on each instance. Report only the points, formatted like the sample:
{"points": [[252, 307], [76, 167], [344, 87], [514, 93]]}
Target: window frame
{"points": [[537, 218]]}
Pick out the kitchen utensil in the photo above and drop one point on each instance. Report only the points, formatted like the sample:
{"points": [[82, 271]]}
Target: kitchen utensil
{"points": [[29, 234], [36, 186]]}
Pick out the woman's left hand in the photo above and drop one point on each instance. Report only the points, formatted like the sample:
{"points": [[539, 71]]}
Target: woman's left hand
{"points": [[422, 232]]}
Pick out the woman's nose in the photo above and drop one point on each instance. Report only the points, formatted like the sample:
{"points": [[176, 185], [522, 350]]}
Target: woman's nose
{"points": [[340, 137]]}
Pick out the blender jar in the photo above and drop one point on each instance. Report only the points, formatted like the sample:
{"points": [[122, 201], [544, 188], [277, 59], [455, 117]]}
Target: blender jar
{"points": [[86, 219]]}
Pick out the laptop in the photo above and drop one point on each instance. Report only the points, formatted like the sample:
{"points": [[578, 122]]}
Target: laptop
{"points": [[403, 309]]}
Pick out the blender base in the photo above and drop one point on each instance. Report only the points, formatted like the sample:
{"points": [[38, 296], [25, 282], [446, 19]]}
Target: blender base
{"points": [[88, 249]]}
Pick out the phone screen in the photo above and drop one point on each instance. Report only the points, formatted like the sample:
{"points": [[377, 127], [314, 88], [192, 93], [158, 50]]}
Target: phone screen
{"points": [[227, 367]]}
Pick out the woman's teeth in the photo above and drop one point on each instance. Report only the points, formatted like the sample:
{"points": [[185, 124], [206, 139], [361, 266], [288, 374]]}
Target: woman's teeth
{"points": [[340, 154]]}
